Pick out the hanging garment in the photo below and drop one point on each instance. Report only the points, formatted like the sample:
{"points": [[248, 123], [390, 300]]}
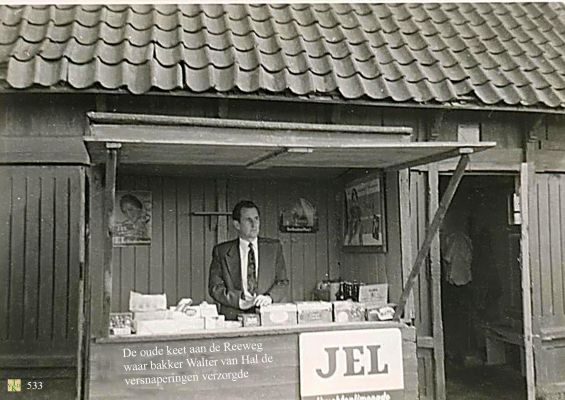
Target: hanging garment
{"points": [[457, 256]]}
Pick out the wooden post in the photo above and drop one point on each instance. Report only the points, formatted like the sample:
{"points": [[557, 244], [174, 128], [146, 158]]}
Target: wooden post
{"points": [[433, 229], [527, 176], [84, 292], [109, 195], [406, 234], [437, 319]]}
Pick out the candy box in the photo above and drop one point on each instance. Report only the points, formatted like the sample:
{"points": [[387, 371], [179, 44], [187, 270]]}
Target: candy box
{"points": [[208, 310], [121, 323], [249, 319], [375, 294], [348, 311], [314, 312], [214, 322], [279, 314], [147, 302], [169, 326], [151, 315]]}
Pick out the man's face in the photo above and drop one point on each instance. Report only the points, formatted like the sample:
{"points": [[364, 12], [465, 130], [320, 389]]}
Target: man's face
{"points": [[131, 211], [248, 225]]}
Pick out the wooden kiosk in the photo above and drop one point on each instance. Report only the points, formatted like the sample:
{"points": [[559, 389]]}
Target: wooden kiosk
{"points": [[198, 168]]}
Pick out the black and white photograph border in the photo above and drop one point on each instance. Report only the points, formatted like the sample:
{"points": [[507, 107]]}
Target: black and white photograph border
{"points": [[129, 133]]}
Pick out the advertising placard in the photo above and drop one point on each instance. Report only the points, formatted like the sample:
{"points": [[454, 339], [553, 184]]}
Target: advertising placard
{"points": [[351, 365]]}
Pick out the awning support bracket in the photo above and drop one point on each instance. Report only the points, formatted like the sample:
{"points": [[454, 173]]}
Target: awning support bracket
{"points": [[431, 231]]}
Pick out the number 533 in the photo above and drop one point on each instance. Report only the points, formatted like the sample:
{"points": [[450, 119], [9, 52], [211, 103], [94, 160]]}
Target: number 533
{"points": [[34, 385]]}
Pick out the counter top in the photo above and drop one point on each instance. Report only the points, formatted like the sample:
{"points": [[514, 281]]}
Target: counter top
{"points": [[255, 331]]}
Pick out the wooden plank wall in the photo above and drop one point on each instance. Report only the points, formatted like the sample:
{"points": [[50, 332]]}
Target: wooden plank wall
{"points": [[179, 256], [547, 262], [40, 228], [549, 250], [53, 115]]}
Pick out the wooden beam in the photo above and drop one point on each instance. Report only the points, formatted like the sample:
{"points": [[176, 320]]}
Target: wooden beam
{"points": [[109, 196], [437, 319], [405, 234], [432, 158], [431, 232], [527, 183], [43, 150], [147, 119]]}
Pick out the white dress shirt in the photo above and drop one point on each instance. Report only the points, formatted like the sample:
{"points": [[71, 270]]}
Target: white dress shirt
{"points": [[243, 252]]}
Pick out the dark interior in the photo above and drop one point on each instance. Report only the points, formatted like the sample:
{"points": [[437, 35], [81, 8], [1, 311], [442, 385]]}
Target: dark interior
{"points": [[483, 318]]}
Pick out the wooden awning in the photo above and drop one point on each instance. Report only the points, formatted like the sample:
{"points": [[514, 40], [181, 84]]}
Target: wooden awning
{"points": [[144, 139]]}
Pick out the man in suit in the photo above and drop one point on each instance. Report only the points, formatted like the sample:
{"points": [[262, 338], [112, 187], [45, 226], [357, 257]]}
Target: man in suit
{"points": [[250, 271]]}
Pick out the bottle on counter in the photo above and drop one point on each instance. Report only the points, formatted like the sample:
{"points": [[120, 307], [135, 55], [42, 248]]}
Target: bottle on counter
{"points": [[348, 290], [340, 295], [355, 291]]}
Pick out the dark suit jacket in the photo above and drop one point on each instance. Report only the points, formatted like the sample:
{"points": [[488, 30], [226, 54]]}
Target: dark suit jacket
{"points": [[225, 285]]}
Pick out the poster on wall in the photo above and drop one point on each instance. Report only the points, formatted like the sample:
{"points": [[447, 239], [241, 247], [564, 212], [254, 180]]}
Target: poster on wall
{"points": [[132, 218], [299, 217], [364, 215]]}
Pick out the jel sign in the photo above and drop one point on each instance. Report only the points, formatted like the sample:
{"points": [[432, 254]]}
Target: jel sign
{"points": [[367, 362]]}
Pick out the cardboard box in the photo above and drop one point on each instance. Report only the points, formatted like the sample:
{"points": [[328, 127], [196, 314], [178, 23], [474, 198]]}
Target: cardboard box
{"points": [[187, 311], [232, 324], [348, 311], [151, 315], [279, 314], [375, 294], [121, 323], [208, 310], [380, 313], [314, 312], [214, 322], [249, 319], [147, 302], [169, 326]]}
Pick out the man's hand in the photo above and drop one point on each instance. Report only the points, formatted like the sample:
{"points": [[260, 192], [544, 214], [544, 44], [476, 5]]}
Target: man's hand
{"points": [[246, 301], [262, 300]]}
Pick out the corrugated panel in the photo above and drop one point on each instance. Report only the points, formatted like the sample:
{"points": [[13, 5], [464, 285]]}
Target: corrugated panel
{"points": [[503, 53], [40, 217]]}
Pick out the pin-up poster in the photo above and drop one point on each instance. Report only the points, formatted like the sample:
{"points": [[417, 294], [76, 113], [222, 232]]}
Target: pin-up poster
{"points": [[132, 218], [364, 214]]}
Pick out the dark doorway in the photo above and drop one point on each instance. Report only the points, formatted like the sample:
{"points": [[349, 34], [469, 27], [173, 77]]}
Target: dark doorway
{"points": [[481, 291]]}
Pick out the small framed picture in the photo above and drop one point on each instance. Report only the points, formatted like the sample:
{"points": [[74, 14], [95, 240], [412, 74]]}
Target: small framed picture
{"points": [[364, 215], [300, 216]]}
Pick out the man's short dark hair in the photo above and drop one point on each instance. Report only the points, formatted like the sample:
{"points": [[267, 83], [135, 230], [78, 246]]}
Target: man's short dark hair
{"points": [[130, 198], [236, 214]]}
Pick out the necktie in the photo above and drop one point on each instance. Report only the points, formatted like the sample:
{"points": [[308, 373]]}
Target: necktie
{"points": [[251, 268]]}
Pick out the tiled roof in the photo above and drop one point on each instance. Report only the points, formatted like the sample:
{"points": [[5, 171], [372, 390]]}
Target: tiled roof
{"points": [[502, 53]]}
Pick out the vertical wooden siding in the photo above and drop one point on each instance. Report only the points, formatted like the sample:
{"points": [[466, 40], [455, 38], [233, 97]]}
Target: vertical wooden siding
{"points": [[548, 257], [40, 211], [179, 256], [547, 263]]}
